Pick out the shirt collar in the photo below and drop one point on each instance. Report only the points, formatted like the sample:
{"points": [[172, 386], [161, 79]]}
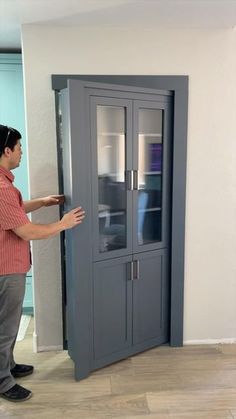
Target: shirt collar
{"points": [[7, 173]]}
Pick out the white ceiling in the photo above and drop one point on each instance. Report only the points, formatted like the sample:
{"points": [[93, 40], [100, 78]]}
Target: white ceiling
{"points": [[119, 13]]}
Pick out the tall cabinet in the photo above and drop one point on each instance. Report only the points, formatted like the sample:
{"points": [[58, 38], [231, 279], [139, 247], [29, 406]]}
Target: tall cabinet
{"points": [[116, 157]]}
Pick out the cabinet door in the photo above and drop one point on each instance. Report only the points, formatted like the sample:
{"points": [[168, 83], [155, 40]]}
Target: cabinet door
{"points": [[150, 298], [151, 163], [111, 136], [112, 313]]}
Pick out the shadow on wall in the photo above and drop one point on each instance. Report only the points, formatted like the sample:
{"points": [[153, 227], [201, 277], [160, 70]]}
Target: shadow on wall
{"points": [[42, 185]]}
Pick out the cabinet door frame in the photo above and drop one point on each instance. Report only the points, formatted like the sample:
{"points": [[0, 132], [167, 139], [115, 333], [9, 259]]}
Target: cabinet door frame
{"points": [[142, 304], [124, 282], [177, 86], [94, 102], [132, 104], [165, 106]]}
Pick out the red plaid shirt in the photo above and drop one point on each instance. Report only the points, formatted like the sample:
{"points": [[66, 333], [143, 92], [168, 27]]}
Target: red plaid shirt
{"points": [[14, 252]]}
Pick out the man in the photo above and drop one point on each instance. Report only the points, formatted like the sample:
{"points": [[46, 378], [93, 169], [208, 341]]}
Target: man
{"points": [[16, 231]]}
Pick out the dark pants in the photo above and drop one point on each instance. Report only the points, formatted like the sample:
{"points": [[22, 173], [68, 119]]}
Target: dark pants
{"points": [[12, 291]]}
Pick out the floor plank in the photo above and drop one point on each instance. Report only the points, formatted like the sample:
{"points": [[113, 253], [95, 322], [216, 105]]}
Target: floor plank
{"points": [[193, 401], [193, 382]]}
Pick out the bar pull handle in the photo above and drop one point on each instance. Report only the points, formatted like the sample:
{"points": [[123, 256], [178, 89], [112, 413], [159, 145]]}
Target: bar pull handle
{"points": [[135, 180], [130, 269], [136, 270], [129, 179]]}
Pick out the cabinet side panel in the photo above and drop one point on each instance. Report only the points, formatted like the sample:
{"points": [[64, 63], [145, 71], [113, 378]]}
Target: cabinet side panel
{"points": [[65, 157]]}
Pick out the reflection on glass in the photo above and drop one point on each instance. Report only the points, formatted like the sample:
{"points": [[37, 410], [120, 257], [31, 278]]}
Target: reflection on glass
{"points": [[150, 176], [111, 139]]}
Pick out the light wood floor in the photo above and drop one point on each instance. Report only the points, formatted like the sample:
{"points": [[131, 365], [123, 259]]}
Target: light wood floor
{"points": [[185, 383]]}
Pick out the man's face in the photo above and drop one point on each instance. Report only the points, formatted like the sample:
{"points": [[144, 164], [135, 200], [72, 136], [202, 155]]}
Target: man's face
{"points": [[15, 156]]}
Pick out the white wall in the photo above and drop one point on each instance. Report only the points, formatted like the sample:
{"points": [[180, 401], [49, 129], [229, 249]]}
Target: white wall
{"points": [[208, 57]]}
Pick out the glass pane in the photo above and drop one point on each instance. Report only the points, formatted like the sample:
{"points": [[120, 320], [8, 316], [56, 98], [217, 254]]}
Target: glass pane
{"points": [[111, 145], [150, 176]]}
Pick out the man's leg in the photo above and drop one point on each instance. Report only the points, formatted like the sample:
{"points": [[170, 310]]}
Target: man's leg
{"points": [[12, 291]]}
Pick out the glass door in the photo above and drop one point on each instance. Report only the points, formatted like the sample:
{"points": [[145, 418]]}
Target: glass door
{"points": [[151, 173], [111, 122]]}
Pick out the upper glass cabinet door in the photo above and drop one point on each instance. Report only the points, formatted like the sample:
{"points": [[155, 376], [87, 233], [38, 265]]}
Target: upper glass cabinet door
{"points": [[150, 173], [150, 145], [111, 166], [111, 139]]}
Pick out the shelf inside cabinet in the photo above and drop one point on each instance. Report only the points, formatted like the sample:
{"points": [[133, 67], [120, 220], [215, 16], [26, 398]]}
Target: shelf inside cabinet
{"points": [[104, 214], [158, 172], [151, 134], [150, 209], [112, 134]]}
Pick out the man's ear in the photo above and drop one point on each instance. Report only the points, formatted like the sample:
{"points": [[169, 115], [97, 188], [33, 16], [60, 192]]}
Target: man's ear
{"points": [[7, 151]]}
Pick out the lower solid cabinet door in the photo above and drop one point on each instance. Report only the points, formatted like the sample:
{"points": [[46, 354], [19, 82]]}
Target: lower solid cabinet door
{"points": [[150, 298], [130, 305], [112, 309]]}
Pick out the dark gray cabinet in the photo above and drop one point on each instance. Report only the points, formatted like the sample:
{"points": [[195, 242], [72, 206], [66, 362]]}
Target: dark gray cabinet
{"points": [[115, 149]]}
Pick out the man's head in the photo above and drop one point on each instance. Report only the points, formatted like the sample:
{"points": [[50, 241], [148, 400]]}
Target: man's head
{"points": [[8, 138], [10, 147]]}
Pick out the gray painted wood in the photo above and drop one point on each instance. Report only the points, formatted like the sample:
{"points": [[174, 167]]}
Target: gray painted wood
{"points": [[160, 104], [112, 311], [150, 298], [178, 215], [82, 341], [78, 244], [127, 105], [126, 312], [157, 82], [178, 86]]}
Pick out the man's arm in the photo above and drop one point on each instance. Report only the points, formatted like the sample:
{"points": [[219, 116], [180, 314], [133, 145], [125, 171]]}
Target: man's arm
{"points": [[32, 231], [47, 201]]}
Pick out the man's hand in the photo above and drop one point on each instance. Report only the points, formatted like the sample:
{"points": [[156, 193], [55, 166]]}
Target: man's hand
{"points": [[47, 201], [73, 218], [50, 200]]}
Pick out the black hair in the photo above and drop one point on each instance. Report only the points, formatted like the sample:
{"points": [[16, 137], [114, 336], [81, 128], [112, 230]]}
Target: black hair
{"points": [[8, 138]]}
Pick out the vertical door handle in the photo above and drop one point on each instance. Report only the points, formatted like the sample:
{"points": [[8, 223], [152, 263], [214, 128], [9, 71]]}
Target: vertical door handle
{"points": [[129, 180], [136, 269], [135, 179], [130, 271]]}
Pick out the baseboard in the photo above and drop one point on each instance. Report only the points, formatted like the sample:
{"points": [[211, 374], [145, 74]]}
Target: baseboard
{"points": [[50, 348], [226, 341], [35, 342], [37, 348]]}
